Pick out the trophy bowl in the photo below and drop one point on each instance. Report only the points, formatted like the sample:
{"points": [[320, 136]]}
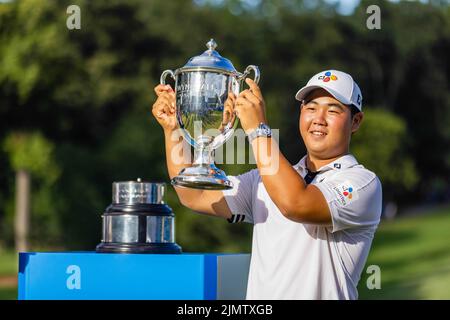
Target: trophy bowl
{"points": [[201, 89]]}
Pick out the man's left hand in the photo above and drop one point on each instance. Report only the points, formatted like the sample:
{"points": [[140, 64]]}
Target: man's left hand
{"points": [[249, 106]]}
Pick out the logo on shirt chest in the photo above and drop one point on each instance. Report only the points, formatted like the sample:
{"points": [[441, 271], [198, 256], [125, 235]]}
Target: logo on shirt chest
{"points": [[345, 193]]}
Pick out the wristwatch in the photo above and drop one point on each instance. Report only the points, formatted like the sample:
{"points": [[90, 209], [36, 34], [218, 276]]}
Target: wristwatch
{"points": [[263, 130]]}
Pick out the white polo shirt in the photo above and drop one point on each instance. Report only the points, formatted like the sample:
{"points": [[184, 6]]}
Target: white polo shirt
{"points": [[292, 260]]}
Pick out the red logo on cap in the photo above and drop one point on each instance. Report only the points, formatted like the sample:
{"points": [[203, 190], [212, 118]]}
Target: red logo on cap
{"points": [[327, 77]]}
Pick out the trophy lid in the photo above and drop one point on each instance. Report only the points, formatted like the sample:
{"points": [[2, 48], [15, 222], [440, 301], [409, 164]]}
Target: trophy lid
{"points": [[210, 59], [137, 192]]}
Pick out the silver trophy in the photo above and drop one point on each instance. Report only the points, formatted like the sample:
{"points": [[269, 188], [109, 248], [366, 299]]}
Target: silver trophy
{"points": [[201, 88], [138, 220]]}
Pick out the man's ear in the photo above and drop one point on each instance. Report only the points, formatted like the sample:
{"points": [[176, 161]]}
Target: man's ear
{"points": [[356, 121]]}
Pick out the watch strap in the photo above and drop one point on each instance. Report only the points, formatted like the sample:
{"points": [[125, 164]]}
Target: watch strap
{"points": [[262, 130]]}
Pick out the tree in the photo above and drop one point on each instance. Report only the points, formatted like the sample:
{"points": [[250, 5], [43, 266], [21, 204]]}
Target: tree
{"points": [[380, 144], [30, 155]]}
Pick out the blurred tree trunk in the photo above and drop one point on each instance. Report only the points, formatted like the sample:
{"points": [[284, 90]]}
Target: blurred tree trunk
{"points": [[31, 157], [22, 214]]}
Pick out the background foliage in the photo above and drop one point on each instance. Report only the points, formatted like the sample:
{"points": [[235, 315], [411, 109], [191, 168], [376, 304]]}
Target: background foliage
{"points": [[75, 104]]}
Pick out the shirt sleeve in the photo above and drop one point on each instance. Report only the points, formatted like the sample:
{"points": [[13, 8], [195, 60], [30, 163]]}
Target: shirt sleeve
{"points": [[354, 198], [240, 197]]}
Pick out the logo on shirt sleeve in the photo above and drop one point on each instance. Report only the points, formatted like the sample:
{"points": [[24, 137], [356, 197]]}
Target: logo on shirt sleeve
{"points": [[345, 193]]}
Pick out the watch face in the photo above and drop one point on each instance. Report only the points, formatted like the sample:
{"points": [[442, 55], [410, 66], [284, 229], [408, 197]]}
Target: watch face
{"points": [[265, 129]]}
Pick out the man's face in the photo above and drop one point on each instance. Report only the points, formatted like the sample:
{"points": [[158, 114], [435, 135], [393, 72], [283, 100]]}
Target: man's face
{"points": [[326, 125]]}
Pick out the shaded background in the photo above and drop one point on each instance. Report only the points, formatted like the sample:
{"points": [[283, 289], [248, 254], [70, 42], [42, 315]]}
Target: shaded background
{"points": [[75, 115]]}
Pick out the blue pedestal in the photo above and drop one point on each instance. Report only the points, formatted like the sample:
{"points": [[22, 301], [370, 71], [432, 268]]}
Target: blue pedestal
{"points": [[90, 275]]}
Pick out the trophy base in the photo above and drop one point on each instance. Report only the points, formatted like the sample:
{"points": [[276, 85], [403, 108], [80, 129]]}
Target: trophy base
{"points": [[206, 177], [158, 248]]}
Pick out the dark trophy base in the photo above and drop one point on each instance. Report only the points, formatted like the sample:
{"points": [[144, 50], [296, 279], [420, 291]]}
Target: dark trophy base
{"points": [[162, 248], [206, 177]]}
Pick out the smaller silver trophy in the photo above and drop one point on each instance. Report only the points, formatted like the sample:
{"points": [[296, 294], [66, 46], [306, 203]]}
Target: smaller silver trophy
{"points": [[138, 220], [201, 88]]}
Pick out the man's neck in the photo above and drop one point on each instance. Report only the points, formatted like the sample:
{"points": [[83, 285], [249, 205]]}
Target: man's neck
{"points": [[314, 163]]}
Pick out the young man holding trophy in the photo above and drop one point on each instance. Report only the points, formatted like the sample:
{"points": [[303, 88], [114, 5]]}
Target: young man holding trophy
{"points": [[313, 222]]}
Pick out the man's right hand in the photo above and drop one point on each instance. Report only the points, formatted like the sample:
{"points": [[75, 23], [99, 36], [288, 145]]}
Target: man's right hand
{"points": [[164, 109]]}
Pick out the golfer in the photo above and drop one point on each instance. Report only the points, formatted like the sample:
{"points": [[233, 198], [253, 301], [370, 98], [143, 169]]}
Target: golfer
{"points": [[313, 223]]}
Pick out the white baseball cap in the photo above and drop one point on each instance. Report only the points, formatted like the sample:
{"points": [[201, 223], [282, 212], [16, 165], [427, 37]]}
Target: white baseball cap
{"points": [[339, 84]]}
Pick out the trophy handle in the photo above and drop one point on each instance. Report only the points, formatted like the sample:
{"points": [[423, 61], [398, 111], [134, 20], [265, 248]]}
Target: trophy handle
{"points": [[164, 75], [248, 70]]}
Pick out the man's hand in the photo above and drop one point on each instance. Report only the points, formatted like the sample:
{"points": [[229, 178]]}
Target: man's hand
{"points": [[249, 106], [164, 109], [229, 115]]}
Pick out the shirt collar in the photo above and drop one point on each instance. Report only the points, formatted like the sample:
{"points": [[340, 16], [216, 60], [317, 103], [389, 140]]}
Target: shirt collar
{"points": [[343, 162]]}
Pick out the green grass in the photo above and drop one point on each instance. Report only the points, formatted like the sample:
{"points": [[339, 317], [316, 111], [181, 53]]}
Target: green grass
{"points": [[8, 263], [8, 268], [8, 293], [413, 254]]}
